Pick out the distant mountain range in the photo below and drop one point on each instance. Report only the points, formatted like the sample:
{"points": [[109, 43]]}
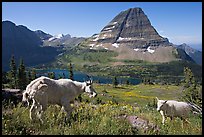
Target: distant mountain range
{"points": [[62, 40], [196, 55], [130, 34], [196, 46], [27, 44]]}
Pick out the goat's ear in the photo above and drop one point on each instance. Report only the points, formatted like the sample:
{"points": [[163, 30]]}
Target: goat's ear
{"points": [[42, 87], [90, 79]]}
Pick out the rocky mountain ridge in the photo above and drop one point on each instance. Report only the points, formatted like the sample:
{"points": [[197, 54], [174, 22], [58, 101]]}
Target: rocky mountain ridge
{"points": [[132, 36], [42, 35], [61, 40]]}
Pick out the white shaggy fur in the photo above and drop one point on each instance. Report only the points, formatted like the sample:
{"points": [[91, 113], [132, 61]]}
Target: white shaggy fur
{"points": [[172, 108], [44, 91]]}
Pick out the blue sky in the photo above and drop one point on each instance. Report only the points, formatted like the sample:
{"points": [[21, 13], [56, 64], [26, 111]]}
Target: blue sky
{"points": [[180, 22]]}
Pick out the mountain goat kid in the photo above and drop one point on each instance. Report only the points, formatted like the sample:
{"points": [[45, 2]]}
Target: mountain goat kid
{"points": [[172, 108], [43, 91]]}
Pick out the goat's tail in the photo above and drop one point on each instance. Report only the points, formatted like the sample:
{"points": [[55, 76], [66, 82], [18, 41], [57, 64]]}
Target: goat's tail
{"points": [[196, 108]]}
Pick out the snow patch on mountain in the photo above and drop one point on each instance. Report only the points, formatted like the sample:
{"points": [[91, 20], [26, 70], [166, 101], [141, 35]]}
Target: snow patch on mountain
{"points": [[136, 49], [109, 28], [120, 39], [150, 50], [115, 45], [59, 36]]}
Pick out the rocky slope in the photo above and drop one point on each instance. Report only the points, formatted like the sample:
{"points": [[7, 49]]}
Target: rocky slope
{"points": [[133, 37]]}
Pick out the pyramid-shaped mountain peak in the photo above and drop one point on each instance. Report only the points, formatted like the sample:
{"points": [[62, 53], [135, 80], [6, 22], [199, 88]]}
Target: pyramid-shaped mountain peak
{"points": [[132, 36], [130, 27]]}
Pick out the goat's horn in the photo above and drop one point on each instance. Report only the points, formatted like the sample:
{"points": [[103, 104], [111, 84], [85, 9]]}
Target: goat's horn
{"points": [[90, 79], [88, 76]]}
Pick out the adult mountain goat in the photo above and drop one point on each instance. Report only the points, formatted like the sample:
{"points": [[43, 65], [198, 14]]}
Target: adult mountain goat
{"points": [[172, 108], [43, 91]]}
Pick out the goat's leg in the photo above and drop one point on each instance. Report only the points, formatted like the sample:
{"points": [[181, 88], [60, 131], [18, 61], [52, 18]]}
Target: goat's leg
{"points": [[185, 122], [42, 106], [163, 117], [39, 113], [32, 110], [67, 107], [28, 103]]}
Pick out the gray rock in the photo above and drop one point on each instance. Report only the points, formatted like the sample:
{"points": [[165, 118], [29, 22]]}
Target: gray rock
{"points": [[140, 123]]}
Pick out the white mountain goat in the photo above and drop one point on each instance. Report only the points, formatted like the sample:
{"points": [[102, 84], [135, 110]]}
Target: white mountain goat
{"points": [[172, 108], [44, 91]]}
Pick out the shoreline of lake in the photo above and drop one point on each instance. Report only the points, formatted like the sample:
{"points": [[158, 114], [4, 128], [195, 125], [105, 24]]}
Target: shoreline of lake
{"points": [[81, 76]]}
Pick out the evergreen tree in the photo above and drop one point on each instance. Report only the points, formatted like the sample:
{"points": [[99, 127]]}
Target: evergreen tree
{"points": [[191, 92], [12, 73], [144, 80], [189, 78], [60, 76], [33, 74], [4, 79], [71, 75], [52, 75], [115, 82], [29, 77], [21, 79], [127, 82], [49, 74], [63, 75]]}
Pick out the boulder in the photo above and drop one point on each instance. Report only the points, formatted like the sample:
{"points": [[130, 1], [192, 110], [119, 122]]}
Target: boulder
{"points": [[141, 124]]}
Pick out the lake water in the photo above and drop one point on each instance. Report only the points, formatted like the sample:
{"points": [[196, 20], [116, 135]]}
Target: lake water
{"points": [[79, 76]]}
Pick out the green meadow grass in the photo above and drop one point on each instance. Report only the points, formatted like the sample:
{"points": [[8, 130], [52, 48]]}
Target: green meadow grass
{"points": [[98, 116]]}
